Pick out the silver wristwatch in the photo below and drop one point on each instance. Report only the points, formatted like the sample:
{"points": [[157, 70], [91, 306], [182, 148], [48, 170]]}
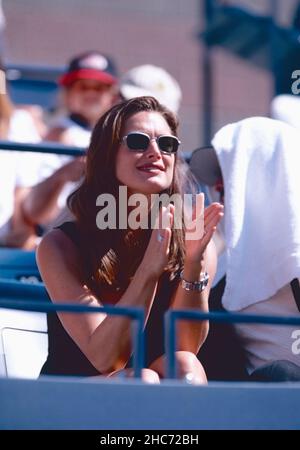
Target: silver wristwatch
{"points": [[196, 286]]}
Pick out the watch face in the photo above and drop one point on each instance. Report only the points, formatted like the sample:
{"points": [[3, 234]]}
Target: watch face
{"points": [[196, 286]]}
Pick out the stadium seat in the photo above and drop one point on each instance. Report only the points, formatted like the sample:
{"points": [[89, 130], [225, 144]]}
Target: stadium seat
{"points": [[19, 265], [23, 334], [23, 343]]}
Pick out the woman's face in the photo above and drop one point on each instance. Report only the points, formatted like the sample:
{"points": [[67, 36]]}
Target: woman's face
{"points": [[149, 171]]}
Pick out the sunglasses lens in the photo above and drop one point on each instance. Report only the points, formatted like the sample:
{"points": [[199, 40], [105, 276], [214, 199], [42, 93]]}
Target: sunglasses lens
{"points": [[140, 142], [168, 144], [136, 141]]}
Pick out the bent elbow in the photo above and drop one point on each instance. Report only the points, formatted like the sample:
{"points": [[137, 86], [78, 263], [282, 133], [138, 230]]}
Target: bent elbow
{"points": [[106, 368], [108, 364]]}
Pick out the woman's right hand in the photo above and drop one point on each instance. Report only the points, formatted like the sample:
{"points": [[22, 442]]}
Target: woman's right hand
{"points": [[157, 253]]}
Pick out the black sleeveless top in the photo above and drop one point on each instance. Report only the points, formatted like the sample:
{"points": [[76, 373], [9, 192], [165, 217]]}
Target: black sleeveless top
{"points": [[65, 357]]}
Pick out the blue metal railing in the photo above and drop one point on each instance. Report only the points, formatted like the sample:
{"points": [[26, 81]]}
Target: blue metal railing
{"points": [[136, 314], [43, 147], [171, 318]]}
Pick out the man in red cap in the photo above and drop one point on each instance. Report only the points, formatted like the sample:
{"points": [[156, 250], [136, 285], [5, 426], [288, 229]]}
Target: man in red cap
{"points": [[89, 90]]}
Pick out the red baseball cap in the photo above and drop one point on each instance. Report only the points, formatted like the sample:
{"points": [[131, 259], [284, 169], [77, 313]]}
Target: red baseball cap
{"points": [[90, 66]]}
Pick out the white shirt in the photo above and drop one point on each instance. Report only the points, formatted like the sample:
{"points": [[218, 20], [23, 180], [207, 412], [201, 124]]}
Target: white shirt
{"points": [[75, 134], [265, 343], [78, 137]]}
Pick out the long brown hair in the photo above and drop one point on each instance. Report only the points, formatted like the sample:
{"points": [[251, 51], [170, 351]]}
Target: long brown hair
{"points": [[114, 255]]}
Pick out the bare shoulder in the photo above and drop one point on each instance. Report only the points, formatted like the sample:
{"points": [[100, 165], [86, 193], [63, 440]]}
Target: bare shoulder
{"points": [[57, 249], [61, 267], [55, 239]]}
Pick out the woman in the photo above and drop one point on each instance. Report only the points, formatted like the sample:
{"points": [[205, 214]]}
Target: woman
{"points": [[126, 267]]}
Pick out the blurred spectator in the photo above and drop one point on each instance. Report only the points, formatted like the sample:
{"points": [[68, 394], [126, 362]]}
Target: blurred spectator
{"points": [[256, 162], [151, 80], [88, 91], [18, 171]]}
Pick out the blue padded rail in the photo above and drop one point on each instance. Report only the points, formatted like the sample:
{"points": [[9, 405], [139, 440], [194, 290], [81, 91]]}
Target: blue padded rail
{"points": [[110, 404], [16, 258], [18, 264]]}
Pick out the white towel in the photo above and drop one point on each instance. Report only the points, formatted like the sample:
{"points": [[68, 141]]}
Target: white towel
{"points": [[260, 162], [286, 108]]}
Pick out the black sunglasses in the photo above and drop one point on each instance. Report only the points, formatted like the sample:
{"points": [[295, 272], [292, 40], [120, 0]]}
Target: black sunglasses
{"points": [[139, 142]]}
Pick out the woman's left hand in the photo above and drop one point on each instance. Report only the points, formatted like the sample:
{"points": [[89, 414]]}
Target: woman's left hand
{"points": [[201, 230]]}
